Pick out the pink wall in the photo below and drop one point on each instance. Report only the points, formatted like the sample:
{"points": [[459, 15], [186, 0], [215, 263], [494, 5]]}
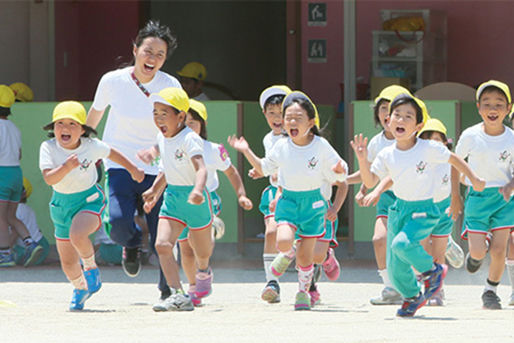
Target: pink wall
{"points": [[93, 34], [479, 48]]}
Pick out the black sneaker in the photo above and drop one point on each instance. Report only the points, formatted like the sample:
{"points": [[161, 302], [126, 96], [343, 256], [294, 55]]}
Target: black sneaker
{"points": [[491, 301], [471, 264], [131, 261], [317, 273], [165, 294], [271, 293]]}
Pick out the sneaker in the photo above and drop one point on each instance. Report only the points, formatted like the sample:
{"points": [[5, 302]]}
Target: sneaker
{"points": [[317, 274], [314, 295], [454, 254], [411, 305], [192, 294], [176, 302], [131, 261], [165, 294], [271, 293], [491, 301], [302, 302], [280, 264], [437, 299], [471, 265], [93, 280], [7, 260], [331, 267], [434, 280], [511, 301], [32, 253], [78, 299], [389, 296], [218, 227], [204, 283]]}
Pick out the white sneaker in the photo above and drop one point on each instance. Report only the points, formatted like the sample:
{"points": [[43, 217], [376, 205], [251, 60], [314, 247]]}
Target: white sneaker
{"points": [[389, 296], [454, 254], [511, 301], [218, 227], [175, 302]]}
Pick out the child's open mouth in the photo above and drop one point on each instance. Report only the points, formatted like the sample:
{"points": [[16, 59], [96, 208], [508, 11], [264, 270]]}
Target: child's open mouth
{"points": [[65, 138], [277, 125], [293, 132], [149, 67], [163, 129], [400, 130], [492, 117]]}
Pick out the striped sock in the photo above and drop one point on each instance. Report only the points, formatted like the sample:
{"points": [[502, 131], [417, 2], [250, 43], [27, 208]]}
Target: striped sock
{"points": [[268, 259]]}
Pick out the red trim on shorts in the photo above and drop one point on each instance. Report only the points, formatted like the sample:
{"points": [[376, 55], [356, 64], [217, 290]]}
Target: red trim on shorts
{"points": [[381, 216], [440, 236], [318, 236], [502, 228], [289, 224], [467, 231], [269, 216], [210, 210], [182, 240], [62, 239], [173, 219]]}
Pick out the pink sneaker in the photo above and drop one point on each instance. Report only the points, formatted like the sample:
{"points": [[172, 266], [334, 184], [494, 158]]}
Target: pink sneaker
{"points": [[204, 283], [331, 267], [315, 296], [192, 294]]}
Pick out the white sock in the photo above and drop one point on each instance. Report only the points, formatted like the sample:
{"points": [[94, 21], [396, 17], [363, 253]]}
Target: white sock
{"points": [[80, 282], [268, 259], [489, 287], [510, 269], [385, 278], [305, 277], [89, 262]]}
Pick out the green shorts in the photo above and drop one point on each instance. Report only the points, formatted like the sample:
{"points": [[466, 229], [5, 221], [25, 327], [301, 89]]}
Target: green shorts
{"points": [[444, 226], [64, 207], [216, 208], [330, 231], [386, 200], [487, 211], [175, 207], [304, 211], [268, 194], [11, 184]]}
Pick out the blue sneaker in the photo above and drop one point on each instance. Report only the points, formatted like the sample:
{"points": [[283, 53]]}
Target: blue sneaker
{"points": [[78, 299], [434, 280], [32, 253], [93, 280], [411, 305], [6, 260]]}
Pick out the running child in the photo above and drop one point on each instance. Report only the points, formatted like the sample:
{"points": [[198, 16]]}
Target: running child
{"points": [[509, 261], [303, 161], [489, 147], [216, 158], [11, 186], [186, 201], [410, 164], [67, 162]]}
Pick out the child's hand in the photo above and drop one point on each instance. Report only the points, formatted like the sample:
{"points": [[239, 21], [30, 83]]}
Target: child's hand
{"points": [[138, 175], [359, 198], [273, 205], [359, 146], [455, 207], [240, 144], [507, 191], [371, 199], [245, 203], [331, 214], [195, 197], [339, 168], [150, 197], [478, 184], [146, 155], [72, 162], [254, 174]]}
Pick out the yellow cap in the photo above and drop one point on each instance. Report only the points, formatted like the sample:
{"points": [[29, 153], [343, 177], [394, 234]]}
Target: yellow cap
{"points": [[70, 110], [300, 95], [28, 187], [420, 103], [433, 124], [22, 92], [6, 96], [172, 96], [390, 92], [271, 91], [199, 108], [193, 70], [493, 83]]}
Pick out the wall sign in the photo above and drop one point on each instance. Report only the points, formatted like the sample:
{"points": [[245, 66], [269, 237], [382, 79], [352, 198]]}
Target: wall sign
{"points": [[317, 14], [317, 51]]}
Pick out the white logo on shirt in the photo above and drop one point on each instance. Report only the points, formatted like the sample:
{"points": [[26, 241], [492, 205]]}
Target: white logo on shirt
{"points": [[420, 167], [313, 162], [504, 156], [179, 155], [85, 164]]}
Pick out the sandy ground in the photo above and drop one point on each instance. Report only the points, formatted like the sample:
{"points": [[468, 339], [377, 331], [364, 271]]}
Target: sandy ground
{"points": [[34, 302]]}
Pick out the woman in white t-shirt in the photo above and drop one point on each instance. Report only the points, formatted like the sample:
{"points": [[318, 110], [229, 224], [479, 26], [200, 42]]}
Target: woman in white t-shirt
{"points": [[130, 128]]}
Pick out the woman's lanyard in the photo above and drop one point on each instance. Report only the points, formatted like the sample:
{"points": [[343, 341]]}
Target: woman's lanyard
{"points": [[140, 85]]}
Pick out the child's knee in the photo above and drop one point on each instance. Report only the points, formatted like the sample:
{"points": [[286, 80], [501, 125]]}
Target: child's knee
{"points": [[164, 247], [379, 240], [284, 245]]}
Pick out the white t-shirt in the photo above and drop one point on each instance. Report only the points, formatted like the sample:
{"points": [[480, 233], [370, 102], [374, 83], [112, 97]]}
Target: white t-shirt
{"points": [[216, 158], [268, 142], [81, 178], [377, 143], [490, 157], [10, 144], [176, 153], [130, 126], [303, 168], [442, 183], [28, 217], [412, 171], [202, 97]]}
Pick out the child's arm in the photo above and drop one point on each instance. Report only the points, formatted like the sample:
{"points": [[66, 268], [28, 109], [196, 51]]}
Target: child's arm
{"points": [[373, 197], [273, 203], [94, 117], [354, 178], [241, 145], [55, 175], [152, 194], [456, 199], [237, 184], [137, 173], [459, 164], [342, 191], [359, 145], [507, 190], [148, 155], [196, 196]]}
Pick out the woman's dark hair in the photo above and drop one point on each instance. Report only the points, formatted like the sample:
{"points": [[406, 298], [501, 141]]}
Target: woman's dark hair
{"points": [[153, 28], [307, 106], [427, 134], [88, 130], [203, 126], [376, 118], [408, 101], [274, 100]]}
